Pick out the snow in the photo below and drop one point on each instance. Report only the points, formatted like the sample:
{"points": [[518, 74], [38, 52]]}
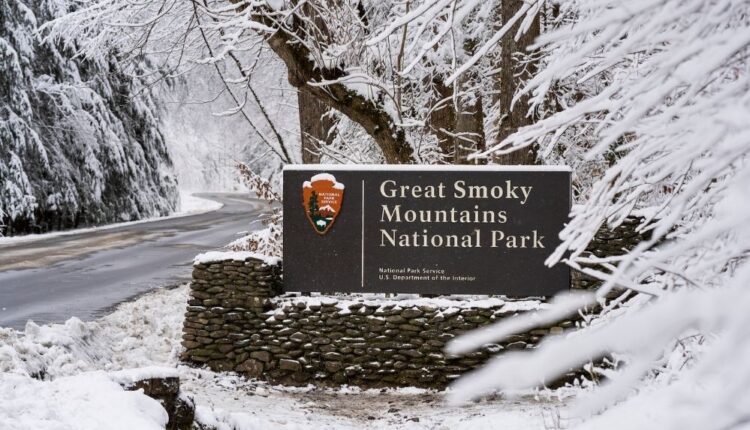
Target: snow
{"points": [[214, 256], [561, 307], [128, 377], [327, 208], [83, 364], [73, 150], [192, 205], [454, 302], [86, 401], [205, 145], [324, 177], [275, 4]]}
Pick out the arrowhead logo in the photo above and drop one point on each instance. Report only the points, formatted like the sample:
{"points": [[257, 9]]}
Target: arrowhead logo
{"points": [[322, 196]]}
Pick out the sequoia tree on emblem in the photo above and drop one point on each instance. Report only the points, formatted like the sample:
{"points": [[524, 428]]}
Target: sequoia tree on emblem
{"points": [[322, 196]]}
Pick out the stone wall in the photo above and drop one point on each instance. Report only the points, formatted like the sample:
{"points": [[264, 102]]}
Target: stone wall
{"points": [[234, 322], [237, 320]]}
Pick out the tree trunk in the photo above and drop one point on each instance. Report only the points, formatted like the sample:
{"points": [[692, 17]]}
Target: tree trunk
{"points": [[460, 131], [376, 121], [314, 125], [507, 84], [469, 123], [442, 119]]}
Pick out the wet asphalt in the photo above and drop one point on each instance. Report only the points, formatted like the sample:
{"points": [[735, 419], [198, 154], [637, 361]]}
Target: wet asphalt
{"points": [[51, 279]]}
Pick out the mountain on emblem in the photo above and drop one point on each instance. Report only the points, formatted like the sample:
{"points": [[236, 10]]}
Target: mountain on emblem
{"points": [[322, 196]]}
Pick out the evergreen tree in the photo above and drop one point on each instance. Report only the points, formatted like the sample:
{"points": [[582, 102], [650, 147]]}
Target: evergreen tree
{"points": [[79, 137], [313, 206]]}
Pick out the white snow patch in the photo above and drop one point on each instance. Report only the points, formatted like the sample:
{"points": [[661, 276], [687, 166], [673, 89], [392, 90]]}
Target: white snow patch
{"points": [[275, 4], [87, 401], [214, 256], [449, 304], [191, 204], [129, 377], [324, 177]]}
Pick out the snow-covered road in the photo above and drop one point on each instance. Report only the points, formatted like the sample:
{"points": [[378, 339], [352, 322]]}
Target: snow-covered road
{"points": [[54, 277]]}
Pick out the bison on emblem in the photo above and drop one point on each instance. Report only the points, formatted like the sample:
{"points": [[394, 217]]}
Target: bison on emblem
{"points": [[322, 196]]}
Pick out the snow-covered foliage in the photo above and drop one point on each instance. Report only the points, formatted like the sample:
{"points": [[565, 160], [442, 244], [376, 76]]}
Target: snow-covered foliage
{"points": [[207, 137], [79, 139], [183, 37], [268, 241], [673, 107], [647, 99], [377, 50]]}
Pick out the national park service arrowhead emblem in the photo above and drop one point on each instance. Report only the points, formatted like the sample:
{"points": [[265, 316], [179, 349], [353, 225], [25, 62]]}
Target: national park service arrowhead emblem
{"points": [[322, 196]]}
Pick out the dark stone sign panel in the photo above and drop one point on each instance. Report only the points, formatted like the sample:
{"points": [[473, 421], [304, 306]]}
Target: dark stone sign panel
{"points": [[417, 229]]}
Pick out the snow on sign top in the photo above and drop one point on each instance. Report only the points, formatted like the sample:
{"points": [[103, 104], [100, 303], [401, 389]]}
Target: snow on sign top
{"points": [[418, 167], [324, 177]]}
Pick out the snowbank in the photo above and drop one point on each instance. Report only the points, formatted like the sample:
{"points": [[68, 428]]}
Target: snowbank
{"points": [[87, 401], [191, 204], [142, 333]]}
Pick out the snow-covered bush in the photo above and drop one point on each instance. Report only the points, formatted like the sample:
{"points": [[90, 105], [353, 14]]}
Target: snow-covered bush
{"points": [[674, 108], [268, 241]]}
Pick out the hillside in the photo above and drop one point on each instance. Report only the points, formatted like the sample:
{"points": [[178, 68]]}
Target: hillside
{"points": [[79, 138]]}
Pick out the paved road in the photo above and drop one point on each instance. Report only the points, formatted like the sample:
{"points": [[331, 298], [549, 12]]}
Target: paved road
{"points": [[85, 274]]}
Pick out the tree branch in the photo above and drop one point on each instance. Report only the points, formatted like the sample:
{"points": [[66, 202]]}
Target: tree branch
{"points": [[372, 117]]}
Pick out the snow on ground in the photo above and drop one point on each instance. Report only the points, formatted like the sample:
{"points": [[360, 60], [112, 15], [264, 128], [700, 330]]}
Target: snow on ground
{"points": [[86, 401], [64, 376], [189, 205], [255, 405]]}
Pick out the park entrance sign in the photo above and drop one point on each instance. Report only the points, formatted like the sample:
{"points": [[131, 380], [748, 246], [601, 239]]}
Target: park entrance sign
{"points": [[424, 229]]}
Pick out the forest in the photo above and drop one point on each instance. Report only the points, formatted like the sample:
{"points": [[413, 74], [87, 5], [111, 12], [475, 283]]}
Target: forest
{"points": [[80, 139], [646, 100]]}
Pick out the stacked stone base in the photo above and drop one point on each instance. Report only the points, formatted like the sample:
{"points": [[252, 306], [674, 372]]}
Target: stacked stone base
{"points": [[234, 323]]}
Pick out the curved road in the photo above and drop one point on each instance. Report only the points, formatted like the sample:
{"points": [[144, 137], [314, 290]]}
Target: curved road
{"points": [[84, 274]]}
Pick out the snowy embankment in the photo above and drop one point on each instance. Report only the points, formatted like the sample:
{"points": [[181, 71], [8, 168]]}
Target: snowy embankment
{"points": [[66, 376], [189, 205]]}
